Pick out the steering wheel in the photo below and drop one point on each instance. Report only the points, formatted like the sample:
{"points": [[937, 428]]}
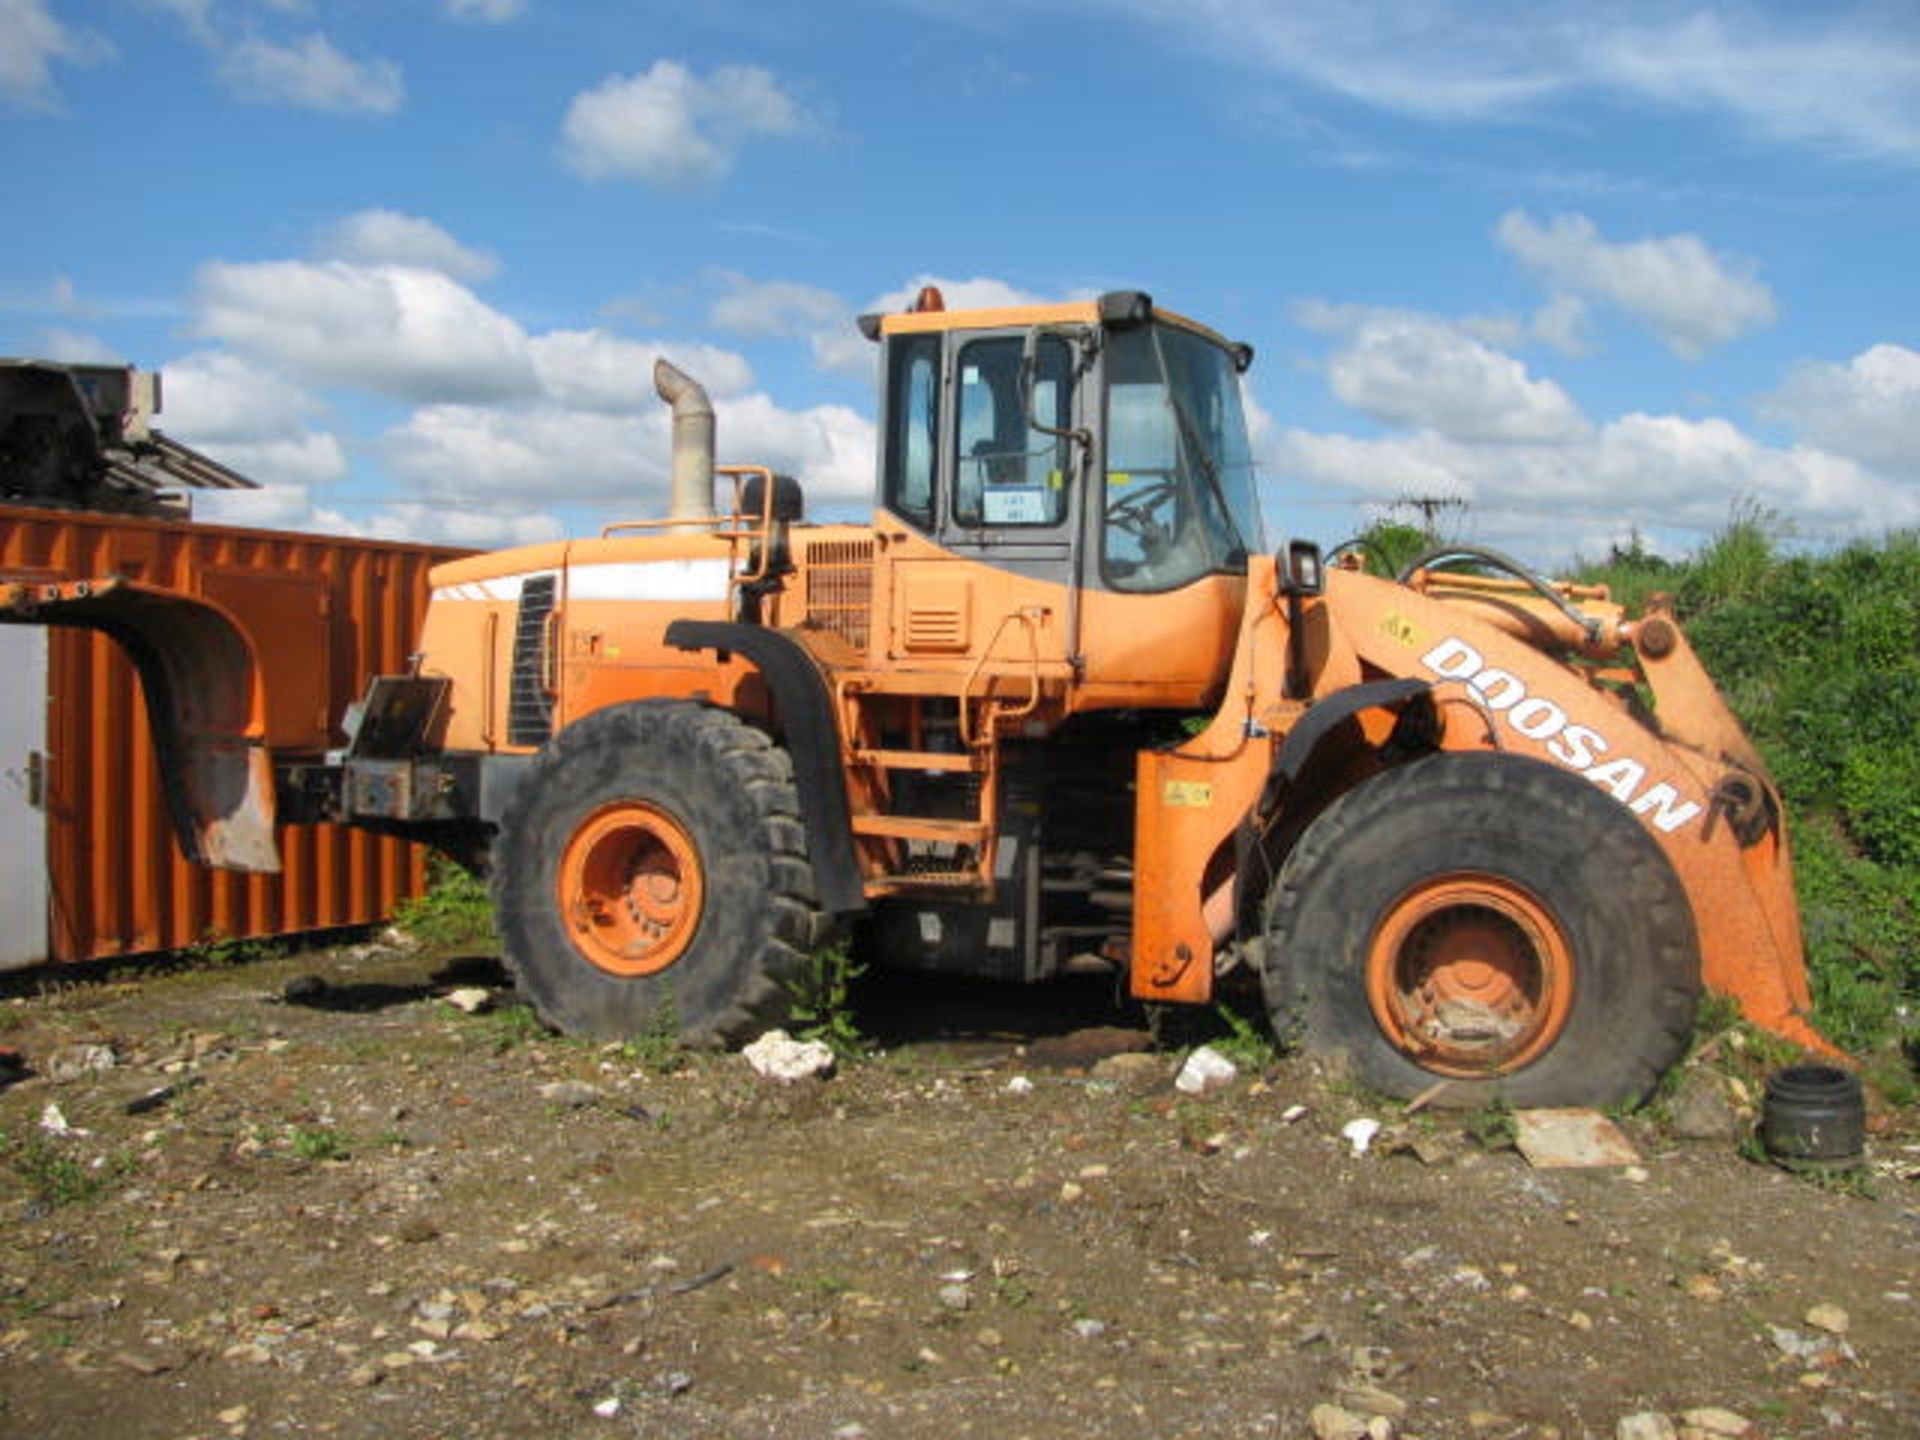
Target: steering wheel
{"points": [[1133, 512]]}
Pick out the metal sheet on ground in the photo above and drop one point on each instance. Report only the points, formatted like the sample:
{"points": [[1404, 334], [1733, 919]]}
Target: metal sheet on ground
{"points": [[1571, 1139]]}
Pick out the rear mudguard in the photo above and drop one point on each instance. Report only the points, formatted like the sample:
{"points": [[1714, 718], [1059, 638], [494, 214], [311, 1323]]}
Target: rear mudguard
{"points": [[206, 706]]}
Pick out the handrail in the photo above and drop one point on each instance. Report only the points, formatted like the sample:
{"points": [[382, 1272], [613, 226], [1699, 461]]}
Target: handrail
{"points": [[734, 525], [1028, 616]]}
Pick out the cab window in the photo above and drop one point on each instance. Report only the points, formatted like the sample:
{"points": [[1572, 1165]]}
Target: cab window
{"points": [[913, 421], [1005, 472]]}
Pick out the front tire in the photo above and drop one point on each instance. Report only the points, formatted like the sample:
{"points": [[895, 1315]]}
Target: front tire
{"points": [[1487, 920], [654, 865]]}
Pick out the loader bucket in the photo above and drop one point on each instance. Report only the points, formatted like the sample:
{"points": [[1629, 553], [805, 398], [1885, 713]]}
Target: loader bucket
{"points": [[205, 701]]}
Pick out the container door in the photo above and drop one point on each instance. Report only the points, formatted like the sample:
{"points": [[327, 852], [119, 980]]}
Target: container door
{"points": [[23, 785]]}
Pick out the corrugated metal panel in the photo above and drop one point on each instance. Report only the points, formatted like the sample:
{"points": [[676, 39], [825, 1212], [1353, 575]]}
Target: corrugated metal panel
{"points": [[324, 613]]}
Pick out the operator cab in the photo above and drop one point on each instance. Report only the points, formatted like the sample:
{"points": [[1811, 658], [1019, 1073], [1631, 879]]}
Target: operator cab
{"points": [[1099, 443]]}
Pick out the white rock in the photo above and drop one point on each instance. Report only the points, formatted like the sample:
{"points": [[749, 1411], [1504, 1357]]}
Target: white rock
{"points": [[471, 999], [1206, 1071], [1331, 1422], [608, 1408], [1712, 1420], [1019, 1085], [571, 1093], [53, 1120], [1647, 1425], [776, 1055], [1830, 1318], [1359, 1134], [75, 1062]]}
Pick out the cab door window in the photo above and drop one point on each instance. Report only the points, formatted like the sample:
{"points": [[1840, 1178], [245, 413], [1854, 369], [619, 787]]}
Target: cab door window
{"points": [[1006, 473], [913, 428]]}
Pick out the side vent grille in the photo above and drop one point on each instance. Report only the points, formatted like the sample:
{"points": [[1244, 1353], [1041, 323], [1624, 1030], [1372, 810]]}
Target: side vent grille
{"points": [[529, 706], [840, 588]]}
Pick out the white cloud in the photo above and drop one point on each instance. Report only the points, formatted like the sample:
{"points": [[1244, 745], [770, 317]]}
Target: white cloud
{"points": [[1848, 84], [829, 448], [486, 12], [593, 370], [1867, 409], [312, 458], [252, 421], [1646, 470], [273, 507], [543, 456], [842, 349], [385, 328], [195, 15], [310, 74], [981, 292], [775, 308], [76, 347], [212, 395], [1846, 78], [1468, 423], [377, 237], [1691, 297], [452, 525], [1419, 371], [550, 455], [31, 40], [671, 128]]}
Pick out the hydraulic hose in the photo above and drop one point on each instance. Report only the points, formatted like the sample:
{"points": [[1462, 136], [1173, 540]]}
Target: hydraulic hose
{"points": [[1445, 556]]}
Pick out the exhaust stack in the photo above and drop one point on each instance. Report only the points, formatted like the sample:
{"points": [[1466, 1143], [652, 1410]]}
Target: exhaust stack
{"points": [[692, 494]]}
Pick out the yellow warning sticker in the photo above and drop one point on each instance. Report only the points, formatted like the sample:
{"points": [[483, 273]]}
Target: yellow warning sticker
{"points": [[1192, 794], [1396, 626]]}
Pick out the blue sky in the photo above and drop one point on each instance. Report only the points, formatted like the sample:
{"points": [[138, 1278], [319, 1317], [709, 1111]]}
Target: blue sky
{"points": [[1586, 268]]}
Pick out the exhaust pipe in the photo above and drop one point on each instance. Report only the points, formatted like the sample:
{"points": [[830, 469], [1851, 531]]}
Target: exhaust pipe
{"points": [[692, 493]]}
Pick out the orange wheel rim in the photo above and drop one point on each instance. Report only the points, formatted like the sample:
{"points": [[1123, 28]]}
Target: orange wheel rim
{"points": [[1470, 975], [631, 888]]}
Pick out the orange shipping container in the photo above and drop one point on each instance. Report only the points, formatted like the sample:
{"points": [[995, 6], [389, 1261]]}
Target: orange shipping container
{"points": [[92, 868]]}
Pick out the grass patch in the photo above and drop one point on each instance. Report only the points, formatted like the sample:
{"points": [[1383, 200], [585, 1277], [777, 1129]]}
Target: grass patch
{"points": [[657, 1048], [316, 1143], [54, 1176], [1247, 1043], [456, 910]]}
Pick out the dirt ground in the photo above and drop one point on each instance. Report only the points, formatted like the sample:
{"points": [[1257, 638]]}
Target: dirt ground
{"points": [[308, 1196]]}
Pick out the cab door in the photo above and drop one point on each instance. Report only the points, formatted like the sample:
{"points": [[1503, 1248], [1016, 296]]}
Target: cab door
{"points": [[985, 569]]}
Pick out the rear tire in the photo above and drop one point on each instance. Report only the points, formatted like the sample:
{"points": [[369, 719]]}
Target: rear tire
{"points": [[1487, 920], [654, 865]]}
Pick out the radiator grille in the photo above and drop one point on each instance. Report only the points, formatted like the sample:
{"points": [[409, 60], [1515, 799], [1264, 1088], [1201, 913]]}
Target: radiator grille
{"points": [[529, 706], [840, 588]]}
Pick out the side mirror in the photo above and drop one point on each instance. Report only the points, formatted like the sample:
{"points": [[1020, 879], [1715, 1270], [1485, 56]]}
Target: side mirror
{"points": [[1029, 372], [1301, 572]]}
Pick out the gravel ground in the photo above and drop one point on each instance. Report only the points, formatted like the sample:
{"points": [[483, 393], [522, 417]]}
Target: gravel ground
{"points": [[308, 1196]]}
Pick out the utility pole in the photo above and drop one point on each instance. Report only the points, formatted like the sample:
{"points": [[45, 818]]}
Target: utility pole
{"points": [[1429, 507]]}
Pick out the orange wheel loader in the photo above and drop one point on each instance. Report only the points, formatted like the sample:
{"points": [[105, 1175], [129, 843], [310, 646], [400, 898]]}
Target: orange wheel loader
{"points": [[1060, 702]]}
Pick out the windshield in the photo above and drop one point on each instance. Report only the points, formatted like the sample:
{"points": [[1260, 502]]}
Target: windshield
{"points": [[1180, 498]]}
